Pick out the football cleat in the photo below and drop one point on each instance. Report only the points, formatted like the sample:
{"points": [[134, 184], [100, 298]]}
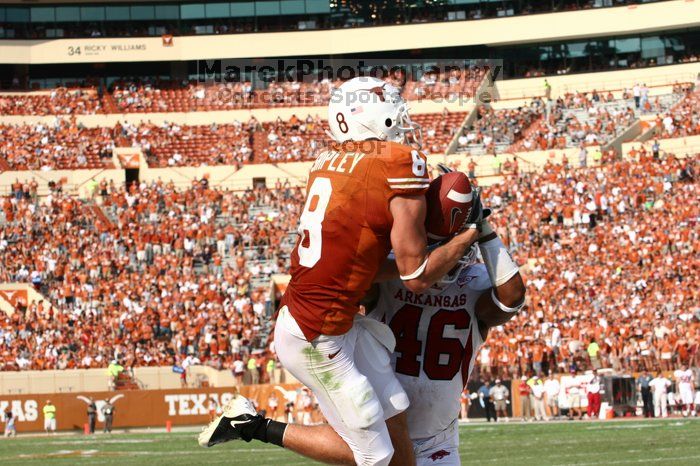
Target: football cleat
{"points": [[238, 421]]}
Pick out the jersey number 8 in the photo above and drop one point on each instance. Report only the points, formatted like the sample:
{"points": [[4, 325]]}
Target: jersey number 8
{"points": [[311, 219], [418, 164]]}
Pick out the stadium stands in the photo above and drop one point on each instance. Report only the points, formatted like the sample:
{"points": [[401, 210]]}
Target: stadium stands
{"points": [[167, 96], [149, 273], [157, 273], [572, 120], [63, 145], [182, 145], [67, 145], [599, 267], [57, 101], [154, 166], [439, 129], [291, 140], [579, 118], [496, 130], [683, 119]]}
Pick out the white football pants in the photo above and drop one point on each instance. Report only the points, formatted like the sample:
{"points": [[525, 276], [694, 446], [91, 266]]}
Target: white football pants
{"points": [[352, 379], [440, 450]]}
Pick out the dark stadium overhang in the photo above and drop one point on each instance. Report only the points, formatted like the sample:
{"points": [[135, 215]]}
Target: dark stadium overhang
{"points": [[664, 16]]}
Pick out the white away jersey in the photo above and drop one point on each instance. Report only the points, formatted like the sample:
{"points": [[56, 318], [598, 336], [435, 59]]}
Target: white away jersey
{"points": [[685, 387], [684, 377], [437, 339]]}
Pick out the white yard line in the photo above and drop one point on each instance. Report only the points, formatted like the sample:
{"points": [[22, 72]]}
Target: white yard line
{"points": [[642, 460]]}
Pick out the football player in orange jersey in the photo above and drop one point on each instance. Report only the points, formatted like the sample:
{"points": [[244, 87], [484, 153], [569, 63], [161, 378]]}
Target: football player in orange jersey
{"points": [[365, 196]]}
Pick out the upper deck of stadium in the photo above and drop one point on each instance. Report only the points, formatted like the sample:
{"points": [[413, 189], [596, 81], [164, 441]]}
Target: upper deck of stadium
{"points": [[88, 32], [119, 18]]}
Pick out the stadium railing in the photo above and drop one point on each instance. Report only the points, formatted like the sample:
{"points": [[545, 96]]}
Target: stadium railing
{"points": [[527, 88]]}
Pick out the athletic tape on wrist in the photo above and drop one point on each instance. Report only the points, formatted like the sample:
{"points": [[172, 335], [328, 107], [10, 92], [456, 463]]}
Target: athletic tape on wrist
{"points": [[498, 262], [417, 273], [486, 229], [502, 306]]}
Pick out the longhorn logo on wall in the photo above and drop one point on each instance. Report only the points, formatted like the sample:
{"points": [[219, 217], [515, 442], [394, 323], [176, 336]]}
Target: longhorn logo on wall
{"points": [[130, 159], [100, 404], [14, 297]]}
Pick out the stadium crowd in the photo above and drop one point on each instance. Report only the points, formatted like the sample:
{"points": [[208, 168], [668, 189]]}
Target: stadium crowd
{"points": [[57, 101], [65, 144], [606, 281], [573, 120], [158, 276], [146, 95], [683, 120], [579, 118], [164, 273], [143, 95], [502, 127], [172, 144], [292, 140], [560, 130], [538, 125]]}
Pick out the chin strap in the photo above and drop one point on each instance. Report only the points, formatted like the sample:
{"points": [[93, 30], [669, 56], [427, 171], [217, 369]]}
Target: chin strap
{"points": [[416, 273]]}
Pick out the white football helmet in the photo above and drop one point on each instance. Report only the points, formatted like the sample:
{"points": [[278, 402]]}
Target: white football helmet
{"points": [[470, 257], [369, 108]]}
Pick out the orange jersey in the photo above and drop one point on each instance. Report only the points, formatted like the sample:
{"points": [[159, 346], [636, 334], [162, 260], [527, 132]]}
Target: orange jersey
{"points": [[344, 230]]}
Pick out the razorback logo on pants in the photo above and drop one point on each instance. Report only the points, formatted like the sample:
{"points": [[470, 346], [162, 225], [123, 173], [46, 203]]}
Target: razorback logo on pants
{"points": [[440, 454]]}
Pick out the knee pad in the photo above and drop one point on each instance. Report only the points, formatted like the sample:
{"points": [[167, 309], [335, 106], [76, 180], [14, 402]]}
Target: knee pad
{"points": [[358, 404], [377, 457]]}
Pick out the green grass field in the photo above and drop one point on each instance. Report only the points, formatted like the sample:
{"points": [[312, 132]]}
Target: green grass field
{"points": [[581, 443]]}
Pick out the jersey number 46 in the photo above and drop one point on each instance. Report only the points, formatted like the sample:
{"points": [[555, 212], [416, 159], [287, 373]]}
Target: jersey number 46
{"points": [[443, 356]]}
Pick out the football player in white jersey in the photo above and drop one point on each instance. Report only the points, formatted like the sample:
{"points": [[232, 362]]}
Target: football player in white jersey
{"points": [[686, 390], [438, 334]]}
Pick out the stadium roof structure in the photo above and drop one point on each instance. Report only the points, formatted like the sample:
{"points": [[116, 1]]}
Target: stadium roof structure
{"points": [[663, 16]]}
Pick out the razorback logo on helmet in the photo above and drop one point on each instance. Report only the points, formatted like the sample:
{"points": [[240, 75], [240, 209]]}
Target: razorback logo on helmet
{"points": [[465, 279]]}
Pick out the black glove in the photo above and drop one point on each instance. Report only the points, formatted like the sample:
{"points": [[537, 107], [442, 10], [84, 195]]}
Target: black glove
{"points": [[477, 214], [442, 168]]}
